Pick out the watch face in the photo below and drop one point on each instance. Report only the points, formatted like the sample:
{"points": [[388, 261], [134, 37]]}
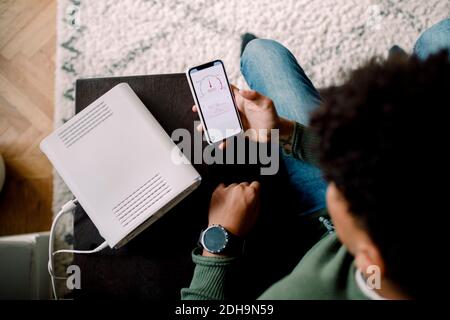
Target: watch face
{"points": [[215, 239]]}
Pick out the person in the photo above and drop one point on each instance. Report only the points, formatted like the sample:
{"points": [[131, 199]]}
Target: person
{"points": [[377, 155]]}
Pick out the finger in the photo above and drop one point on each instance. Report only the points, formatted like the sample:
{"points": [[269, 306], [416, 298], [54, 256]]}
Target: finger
{"points": [[223, 145], [245, 183], [249, 94], [199, 128], [194, 108], [232, 185], [234, 88], [235, 91], [238, 98], [220, 186], [255, 185]]}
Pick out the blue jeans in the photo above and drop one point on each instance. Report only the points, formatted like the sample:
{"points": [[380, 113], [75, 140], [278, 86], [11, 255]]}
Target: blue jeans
{"points": [[271, 69], [434, 39]]}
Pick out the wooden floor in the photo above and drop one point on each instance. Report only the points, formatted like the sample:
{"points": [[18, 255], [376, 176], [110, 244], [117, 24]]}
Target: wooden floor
{"points": [[27, 68]]}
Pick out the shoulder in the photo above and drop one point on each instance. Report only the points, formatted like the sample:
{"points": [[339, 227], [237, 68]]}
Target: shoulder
{"points": [[325, 272]]}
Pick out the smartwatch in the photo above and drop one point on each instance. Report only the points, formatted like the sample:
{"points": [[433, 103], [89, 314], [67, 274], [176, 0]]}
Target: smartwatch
{"points": [[216, 239]]}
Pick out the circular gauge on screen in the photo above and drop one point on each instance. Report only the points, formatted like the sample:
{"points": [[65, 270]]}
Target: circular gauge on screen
{"points": [[210, 84]]}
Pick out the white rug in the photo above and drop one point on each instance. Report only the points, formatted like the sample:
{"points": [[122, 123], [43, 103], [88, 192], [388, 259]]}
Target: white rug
{"points": [[134, 37]]}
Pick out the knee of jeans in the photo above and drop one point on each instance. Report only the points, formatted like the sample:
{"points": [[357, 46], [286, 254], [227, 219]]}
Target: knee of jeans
{"points": [[434, 39], [260, 50]]}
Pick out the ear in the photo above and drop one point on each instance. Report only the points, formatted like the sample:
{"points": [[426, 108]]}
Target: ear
{"points": [[368, 255]]}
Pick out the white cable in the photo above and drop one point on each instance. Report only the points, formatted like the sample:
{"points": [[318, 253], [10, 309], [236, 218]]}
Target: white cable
{"points": [[99, 248], [69, 206], [66, 208]]}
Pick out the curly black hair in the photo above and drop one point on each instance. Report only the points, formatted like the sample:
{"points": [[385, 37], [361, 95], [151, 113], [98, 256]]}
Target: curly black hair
{"points": [[382, 138]]}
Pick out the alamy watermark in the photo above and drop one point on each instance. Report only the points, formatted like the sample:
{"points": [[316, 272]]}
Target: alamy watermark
{"points": [[73, 281], [236, 151], [373, 280]]}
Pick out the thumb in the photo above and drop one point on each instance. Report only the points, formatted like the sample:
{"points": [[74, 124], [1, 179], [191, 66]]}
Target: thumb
{"points": [[249, 94]]}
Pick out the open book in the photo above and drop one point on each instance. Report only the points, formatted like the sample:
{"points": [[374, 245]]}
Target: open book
{"points": [[120, 164]]}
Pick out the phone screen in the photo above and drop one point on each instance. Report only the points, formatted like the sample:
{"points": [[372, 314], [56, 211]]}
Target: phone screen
{"points": [[215, 101]]}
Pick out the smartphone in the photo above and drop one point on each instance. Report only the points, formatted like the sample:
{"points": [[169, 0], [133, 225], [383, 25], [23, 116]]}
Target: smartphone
{"points": [[215, 101]]}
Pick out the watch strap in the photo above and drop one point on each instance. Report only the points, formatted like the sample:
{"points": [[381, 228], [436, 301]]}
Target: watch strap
{"points": [[235, 244]]}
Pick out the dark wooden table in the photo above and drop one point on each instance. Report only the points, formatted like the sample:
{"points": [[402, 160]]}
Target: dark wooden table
{"points": [[157, 263]]}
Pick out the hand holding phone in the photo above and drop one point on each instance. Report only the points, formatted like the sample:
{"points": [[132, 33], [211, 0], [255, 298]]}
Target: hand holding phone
{"points": [[258, 114]]}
